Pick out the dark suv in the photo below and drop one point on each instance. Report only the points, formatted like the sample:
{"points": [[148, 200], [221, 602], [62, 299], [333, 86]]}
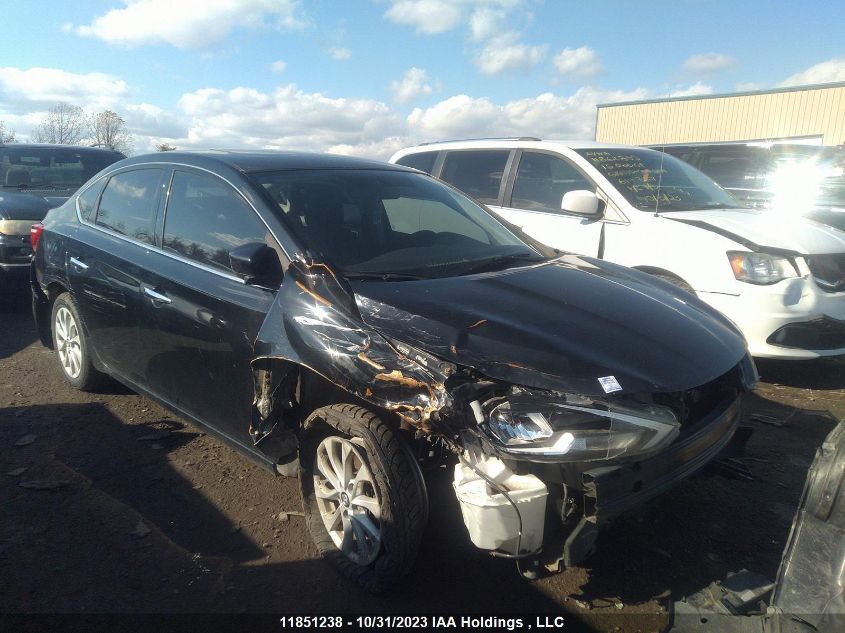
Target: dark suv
{"points": [[33, 179], [333, 318], [787, 177]]}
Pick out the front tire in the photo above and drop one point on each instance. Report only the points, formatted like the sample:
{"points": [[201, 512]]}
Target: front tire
{"points": [[71, 345], [363, 495]]}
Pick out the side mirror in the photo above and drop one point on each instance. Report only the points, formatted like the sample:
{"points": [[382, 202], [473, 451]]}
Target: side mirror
{"points": [[257, 263], [582, 202]]}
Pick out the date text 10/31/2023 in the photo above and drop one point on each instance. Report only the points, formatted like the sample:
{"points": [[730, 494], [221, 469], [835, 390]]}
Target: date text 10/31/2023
{"points": [[367, 622]]}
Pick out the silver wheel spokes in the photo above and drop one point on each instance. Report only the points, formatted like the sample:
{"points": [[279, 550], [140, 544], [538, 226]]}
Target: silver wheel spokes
{"points": [[347, 499], [68, 342]]}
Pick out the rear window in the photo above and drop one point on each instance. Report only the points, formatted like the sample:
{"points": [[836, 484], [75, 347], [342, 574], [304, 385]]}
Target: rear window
{"points": [[51, 168], [478, 173], [424, 161], [128, 204]]}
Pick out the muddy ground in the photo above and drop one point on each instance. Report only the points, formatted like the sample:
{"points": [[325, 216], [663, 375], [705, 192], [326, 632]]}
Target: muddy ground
{"points": [[117, 505]]}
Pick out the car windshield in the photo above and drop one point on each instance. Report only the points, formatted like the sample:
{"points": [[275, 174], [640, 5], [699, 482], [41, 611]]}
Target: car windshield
{"points": [[653, 181], [371, 223], [51, 167]]}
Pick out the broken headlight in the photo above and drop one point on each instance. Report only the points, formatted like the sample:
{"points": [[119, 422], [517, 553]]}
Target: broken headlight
{"points": [[575, 429]]}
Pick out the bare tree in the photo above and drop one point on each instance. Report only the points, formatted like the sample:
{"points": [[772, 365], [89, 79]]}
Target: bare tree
{"points": [[7, 135], [107, 129], [63, 124], [165, 147]]}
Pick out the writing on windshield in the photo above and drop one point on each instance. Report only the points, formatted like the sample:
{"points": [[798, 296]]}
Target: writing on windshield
{"points": [[651, 181]]}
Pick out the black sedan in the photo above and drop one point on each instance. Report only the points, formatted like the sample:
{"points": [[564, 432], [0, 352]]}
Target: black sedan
{"points": [[332, 318]]}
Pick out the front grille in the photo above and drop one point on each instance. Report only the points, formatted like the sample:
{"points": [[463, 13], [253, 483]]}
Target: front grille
{"points": [[821, 334], [828, 271]]}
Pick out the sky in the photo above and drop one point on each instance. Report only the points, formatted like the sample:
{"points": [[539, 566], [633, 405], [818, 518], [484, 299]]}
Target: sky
{"points": [[368, 77]]}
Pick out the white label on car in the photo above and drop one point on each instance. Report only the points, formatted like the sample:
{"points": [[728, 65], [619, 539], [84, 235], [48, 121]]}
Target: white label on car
{"points": [[610, 384]]}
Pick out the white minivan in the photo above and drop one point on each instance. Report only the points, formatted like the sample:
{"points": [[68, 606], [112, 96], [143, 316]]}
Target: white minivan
{"points": [[779, 277]]}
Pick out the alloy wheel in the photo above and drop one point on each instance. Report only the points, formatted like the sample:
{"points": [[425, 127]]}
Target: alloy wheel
{"points": [[68, 342], [347, 499]]}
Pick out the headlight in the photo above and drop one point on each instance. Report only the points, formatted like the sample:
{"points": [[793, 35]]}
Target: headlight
{"points": [[761, 268], [576, 429], [16, 227]]}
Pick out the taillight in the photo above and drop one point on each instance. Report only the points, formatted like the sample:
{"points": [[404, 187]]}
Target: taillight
{"points": [[35, 232]]}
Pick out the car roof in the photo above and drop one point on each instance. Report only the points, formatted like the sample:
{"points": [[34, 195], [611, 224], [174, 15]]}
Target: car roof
{"points": [[73, 148], [496, 143], [263, 160]]}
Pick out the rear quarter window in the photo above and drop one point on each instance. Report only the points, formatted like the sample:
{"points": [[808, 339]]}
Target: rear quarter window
{"points": [[424, 161]]}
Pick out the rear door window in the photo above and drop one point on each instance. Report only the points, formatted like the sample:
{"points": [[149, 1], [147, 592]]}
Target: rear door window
{"points": [[129, 202], [206, 218], [541, 181], [478, 173], [424, 161]]}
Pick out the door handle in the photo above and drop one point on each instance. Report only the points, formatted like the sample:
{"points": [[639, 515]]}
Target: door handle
{"points": [[156, 297], [79, 263]]}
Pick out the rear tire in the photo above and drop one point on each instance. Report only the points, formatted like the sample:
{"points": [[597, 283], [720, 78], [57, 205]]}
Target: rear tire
{"points": [[71, 345], [375, 497]]}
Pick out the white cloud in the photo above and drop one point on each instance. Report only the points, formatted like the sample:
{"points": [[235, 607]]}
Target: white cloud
{"points": [[339, 53], [547, 116], [189, 23], [485, 23], [578, 62], [414, 83], [821, 73], [747, 86], [278, 66], [705, 63], [426, 16], [23, 91], [285, 118], [694, 90], [507, 53]]}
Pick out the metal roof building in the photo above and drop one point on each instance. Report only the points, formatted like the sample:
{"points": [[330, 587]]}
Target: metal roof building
{"points": [[810, 114]]}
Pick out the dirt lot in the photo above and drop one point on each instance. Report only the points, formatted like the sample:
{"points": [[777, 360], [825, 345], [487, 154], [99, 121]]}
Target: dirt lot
{"points": [[105, 512]]}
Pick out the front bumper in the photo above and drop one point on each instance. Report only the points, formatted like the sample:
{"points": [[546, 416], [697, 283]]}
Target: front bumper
{"points": [[611, 490], [793, 319]]}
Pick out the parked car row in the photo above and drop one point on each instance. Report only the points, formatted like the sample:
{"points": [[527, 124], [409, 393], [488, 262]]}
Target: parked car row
{"points": [[335, 318], [779, 278]]}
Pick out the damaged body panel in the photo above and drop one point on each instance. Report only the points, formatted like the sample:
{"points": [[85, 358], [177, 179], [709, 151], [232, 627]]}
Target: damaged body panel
{"points": [[314, 323]]}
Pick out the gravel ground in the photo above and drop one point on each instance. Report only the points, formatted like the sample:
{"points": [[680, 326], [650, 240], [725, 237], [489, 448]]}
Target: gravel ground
{"points": [[112, 504]]}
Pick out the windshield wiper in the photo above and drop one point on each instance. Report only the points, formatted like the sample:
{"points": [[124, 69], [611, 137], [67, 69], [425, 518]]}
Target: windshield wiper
{"points": [[496, 262], [383, 276]]}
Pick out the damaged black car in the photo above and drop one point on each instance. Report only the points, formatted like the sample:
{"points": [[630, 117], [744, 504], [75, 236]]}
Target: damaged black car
{"points": [[341, 320]]}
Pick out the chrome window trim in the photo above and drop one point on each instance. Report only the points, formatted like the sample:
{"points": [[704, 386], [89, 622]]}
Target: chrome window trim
{"points": [[153, 247]]}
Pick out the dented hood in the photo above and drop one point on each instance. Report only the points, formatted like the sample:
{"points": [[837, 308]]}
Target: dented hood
{"points": [[559, 325], [767, 230]]}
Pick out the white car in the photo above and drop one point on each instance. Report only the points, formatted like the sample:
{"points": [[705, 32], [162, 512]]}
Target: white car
{"points": [[779, 277]]}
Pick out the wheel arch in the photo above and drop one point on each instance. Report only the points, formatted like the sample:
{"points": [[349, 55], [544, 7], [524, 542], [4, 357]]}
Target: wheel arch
{"points": [[42, 308], [661, 272]]}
